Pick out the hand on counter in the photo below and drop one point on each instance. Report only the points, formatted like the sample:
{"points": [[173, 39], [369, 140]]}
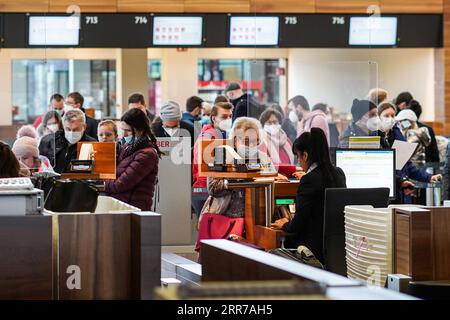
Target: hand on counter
{"points": [[436, 178], [281, 178], [279, 223], [299, 174]]}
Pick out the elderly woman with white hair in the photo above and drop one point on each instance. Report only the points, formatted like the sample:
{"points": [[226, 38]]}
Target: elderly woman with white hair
{"points": [[246, 139], [61, 147]]}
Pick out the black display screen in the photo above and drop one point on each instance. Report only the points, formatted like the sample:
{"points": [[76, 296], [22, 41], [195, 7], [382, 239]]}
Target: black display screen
{"points": [[120, 30], [116, 30]]}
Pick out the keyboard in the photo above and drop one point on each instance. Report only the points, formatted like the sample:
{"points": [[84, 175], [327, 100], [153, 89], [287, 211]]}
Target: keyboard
{"points": [[16, 184]]}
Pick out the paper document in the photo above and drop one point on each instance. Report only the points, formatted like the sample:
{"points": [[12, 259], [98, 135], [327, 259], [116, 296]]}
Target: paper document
{"points": [[403, 152], [369, 142], [87, 149]]}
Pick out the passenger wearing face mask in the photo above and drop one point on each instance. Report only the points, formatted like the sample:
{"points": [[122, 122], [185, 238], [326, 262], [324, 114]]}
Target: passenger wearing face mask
{"points": [[194, 107], [169, 123], [221, 115], [56, 104], [365, 121], [61, 147], [137, 165], [51, 123], [389, 132], [411, 131], [292, 117], [246, 138], [275, 140]]}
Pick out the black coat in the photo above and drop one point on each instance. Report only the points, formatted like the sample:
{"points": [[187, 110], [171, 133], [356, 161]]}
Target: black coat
{"points": [[57, 149], [246, 106], [432, 151], [91, 127], [307, 224]]}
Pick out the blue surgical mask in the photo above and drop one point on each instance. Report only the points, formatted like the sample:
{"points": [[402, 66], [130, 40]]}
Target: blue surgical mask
{"points": [[205, 120], [128, 139]]}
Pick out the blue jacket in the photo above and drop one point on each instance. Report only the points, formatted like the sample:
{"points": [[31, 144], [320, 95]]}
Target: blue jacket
{"points": [[189, 118]]}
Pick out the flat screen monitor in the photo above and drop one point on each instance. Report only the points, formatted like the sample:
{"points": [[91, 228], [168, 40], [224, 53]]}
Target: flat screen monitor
{"points": [[365, 168], [177, 31], [53, 31], [373, 31], [254, 31]]}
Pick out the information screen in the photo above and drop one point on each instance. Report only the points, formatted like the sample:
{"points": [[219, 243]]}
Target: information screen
{"points": [[177, 31], [254, 31], [53, 31], [368, 168], [373, 31]]}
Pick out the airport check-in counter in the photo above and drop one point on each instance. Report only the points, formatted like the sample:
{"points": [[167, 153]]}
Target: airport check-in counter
{"points": [[111, 253], [261, 195]]}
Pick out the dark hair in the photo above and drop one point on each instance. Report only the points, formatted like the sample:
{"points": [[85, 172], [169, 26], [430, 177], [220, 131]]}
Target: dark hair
{"points": [[268, 113], [320, 106], [403, 97], [77, 97], [278, 108], [56, 97], [138, 120], [52, 114], [136, 98], [300, 100], [221, 98], [415, 106], [9, 165], [193, 102], [316, 145]]}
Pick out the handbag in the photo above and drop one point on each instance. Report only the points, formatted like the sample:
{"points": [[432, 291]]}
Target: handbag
{"points": [[71, 196], [216, 226], [302, 254]]}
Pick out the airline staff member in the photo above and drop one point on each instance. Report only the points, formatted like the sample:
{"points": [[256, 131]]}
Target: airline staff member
{"points": [[312, 151]]}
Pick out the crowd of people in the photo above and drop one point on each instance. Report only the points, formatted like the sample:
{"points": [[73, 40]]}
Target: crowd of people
{"points": [[295, 140]]}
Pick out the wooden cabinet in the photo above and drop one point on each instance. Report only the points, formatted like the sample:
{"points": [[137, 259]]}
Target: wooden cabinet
{"points": [[26, 258], [422, 243]]}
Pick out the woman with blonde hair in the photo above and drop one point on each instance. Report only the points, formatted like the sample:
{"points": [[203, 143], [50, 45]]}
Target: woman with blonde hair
{"points": [[229, 203]]}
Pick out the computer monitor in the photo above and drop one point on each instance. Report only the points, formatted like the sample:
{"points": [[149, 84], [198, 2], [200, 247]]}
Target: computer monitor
{"points": [[368, 168], [254, 31], [177, 31], [373, 31], [53, 31]]}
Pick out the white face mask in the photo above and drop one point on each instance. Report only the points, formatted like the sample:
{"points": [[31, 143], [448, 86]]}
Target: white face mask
{"points": [[171, 131], [373, 124], [53, 127], [386, 124], [293, 116], [67, 108], [247, 152], [272, 129], [73, 136], [225, 125]]}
